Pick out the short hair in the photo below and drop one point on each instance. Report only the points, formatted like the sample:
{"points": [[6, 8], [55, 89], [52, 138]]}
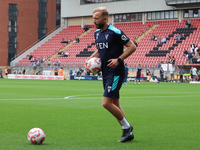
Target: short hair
{"points": [[103, 11]]}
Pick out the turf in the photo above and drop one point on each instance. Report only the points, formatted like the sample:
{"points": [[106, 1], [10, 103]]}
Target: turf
{"points": [[164, 116]]}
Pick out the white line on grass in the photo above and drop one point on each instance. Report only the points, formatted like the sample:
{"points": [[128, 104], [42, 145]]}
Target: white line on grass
{"points": [[82, 97], [26, 99], [74, 97]]}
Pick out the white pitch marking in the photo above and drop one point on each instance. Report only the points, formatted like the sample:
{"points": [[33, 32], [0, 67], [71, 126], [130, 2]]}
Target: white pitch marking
{"points": [[79, 95], [26, 99], [73, 96]]}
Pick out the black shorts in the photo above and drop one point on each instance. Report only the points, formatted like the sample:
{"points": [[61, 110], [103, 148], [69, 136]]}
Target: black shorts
{"points": [[112, 85], [138, 76]]}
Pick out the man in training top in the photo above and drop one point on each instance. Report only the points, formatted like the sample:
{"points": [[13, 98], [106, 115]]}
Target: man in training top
{"points": [[110, 41]]}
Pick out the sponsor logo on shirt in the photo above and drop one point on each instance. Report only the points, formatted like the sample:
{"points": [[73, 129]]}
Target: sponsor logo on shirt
{"points": [[102, 45]]}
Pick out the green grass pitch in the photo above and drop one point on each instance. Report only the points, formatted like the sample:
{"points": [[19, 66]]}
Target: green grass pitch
{"points": [[165, 116]]}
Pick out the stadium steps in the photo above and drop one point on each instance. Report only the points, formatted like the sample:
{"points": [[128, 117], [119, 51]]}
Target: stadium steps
{"points": [[61, 50], [146, 33], [66, 47], [72, 48]]}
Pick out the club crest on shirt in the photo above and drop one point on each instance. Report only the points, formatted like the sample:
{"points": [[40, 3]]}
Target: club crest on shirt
{"points": [[123, 37], [106, 36], [109, 88]]}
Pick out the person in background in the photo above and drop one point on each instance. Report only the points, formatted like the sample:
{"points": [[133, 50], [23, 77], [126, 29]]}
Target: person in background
{"points": [[139, 71], [86, 27], [148, 73], [49, 63], [172, 74], [185, 53], [173, 60], [161, 74], [41, 60], [70, 72], [194, 73], [126, 73], [198, 75], [158, 40], [152, 38], [190, 56], [38, 62], [191, 73], [188, 23], [169, 61], [181, 37], [192, 47], [55, 72], [163, 40], [34, 65], [15, 71], [77, 40], [57, 63], [60, 72], [178, 37], [24, 71]]}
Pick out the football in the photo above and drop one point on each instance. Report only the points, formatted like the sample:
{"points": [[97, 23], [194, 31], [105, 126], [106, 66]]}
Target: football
{"points": [[94, 65], [36, 136]]}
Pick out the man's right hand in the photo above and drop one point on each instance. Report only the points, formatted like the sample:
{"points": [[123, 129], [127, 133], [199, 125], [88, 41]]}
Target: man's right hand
{"points": [[86, 62]]}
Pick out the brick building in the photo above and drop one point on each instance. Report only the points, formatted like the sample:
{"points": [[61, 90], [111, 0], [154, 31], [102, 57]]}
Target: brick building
{"points": [[24, 22]]}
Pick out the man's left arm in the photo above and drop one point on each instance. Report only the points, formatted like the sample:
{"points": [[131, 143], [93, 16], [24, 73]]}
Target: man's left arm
{"points": [[129, 50]]}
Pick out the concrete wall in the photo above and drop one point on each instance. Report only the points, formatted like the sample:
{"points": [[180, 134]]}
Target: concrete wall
{"points": [[73, 8]]}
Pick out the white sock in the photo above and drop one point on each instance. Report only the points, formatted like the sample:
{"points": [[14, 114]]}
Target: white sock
{"points": [[125, 124]]}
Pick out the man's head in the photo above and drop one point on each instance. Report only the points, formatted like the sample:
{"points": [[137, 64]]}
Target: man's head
{"points": [[100, 17]]}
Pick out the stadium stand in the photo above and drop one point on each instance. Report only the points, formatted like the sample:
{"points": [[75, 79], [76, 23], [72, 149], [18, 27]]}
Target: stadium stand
{"points": [[148, 53], [53, 45]]}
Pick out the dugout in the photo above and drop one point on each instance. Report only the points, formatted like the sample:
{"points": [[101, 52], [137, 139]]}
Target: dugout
{"points": [[188, 67]]}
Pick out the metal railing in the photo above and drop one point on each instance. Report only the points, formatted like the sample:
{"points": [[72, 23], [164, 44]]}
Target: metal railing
{"points": [[82, 63]]}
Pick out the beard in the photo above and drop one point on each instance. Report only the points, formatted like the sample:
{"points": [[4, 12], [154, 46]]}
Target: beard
{"points": [[100, 25]]}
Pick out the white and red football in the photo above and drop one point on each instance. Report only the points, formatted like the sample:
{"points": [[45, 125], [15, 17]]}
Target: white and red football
{"points": [[36, 136], [94, 65]]}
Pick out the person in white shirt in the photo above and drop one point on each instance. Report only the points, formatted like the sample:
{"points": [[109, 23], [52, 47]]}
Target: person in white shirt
{"points": [[172, 73], [194, 72], [49, 62], [15, 71]]}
